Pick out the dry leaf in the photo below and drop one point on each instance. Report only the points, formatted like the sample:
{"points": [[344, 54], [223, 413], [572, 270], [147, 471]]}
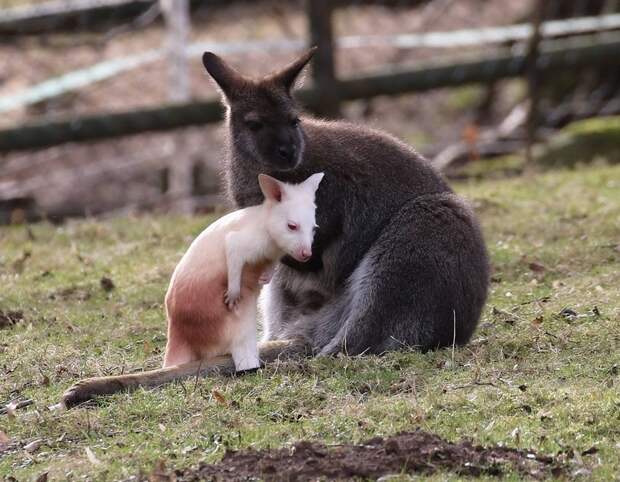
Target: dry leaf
{"points": [[33, 446], [91, 457], [4, 439], [219, 397], [536, 267], [147, 347], [159, 474], [11, 409]]}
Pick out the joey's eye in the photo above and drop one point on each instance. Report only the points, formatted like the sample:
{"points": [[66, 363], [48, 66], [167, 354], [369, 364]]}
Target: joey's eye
{"points": [[254, 125], [292, 226], [295, 122]]}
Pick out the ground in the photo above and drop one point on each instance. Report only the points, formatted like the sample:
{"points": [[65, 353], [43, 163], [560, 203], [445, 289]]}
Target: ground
{"points": [[541, 373]]}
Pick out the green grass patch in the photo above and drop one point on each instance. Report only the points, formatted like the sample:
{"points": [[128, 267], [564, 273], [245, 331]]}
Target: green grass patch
{"points": [[584, 142], [540, 373]]}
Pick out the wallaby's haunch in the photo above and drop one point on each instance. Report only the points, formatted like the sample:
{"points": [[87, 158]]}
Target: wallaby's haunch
{"points": [[398, 260], [211, 300]]}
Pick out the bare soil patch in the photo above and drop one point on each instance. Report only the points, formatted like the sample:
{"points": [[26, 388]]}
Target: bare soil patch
{"points": [[10, 318], [407, 452]]}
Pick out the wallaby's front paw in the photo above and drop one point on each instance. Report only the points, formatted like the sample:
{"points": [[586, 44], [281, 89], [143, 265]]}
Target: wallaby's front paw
{"points": [[231, 299]]}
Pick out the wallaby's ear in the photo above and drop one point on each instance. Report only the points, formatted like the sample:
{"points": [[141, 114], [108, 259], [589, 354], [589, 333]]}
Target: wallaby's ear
{"points": [[272, 188], [228, 79], [287, 76], [314, 181]]}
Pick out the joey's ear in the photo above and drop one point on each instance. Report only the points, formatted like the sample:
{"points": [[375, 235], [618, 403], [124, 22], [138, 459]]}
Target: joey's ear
{"points": [[228, 79], [287, 76], [314, 181], [272, 188]]}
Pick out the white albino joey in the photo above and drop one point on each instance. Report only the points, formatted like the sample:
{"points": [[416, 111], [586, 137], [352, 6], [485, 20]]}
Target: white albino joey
{"points": [[286, 227]]}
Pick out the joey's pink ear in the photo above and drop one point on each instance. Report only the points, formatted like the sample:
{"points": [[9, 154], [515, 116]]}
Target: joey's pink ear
{"points": [[286, 77], [228, 79], [272, 188], [314, 181]]}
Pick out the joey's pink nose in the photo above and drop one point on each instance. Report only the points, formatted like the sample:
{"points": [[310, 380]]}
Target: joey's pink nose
{"points": [[305, 254]]}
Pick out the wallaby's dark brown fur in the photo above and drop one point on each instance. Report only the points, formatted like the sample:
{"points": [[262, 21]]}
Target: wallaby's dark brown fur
{"points": [[399, 259]]}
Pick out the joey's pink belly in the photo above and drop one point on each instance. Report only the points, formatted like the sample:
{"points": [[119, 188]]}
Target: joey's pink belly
{"points": [[198, 317]]}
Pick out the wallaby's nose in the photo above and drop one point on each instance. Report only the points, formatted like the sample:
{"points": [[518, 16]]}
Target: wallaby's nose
{"points": [[287, 152]]}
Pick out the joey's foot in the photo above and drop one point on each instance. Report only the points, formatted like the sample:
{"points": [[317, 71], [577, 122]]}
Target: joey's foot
{"points": [[231, 299]]}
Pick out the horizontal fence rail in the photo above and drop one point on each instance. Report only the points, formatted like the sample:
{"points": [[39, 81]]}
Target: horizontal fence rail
{"points": [[487, 36], [87, 15], [554, 55]]}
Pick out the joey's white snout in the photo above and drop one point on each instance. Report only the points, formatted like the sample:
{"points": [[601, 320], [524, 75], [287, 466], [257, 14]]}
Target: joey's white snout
{"points": [[291, 218]]}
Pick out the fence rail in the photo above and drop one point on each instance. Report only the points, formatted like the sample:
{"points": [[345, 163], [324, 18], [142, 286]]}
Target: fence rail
{"points": [[554, 55], [87, 15]]}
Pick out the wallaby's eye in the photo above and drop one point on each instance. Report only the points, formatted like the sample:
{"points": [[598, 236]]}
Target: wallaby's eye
{"points": [[295, 122], [292, 226], [254, 125]]}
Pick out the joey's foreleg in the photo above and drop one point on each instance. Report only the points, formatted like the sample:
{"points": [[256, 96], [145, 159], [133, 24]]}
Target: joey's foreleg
{"points": [[234, 263]]}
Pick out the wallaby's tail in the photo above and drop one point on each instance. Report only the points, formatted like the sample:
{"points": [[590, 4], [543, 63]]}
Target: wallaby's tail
{"points": [[89, 388]]}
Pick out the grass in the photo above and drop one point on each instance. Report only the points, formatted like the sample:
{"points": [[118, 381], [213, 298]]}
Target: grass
{"points": [[530, 378], [584, 141]]}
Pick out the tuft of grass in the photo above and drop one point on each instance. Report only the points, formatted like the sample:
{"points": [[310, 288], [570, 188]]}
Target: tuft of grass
{"points": [[584, 142], [540, 373]]}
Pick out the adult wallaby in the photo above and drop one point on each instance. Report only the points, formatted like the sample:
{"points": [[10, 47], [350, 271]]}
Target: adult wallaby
{"points": [[398, 259]]}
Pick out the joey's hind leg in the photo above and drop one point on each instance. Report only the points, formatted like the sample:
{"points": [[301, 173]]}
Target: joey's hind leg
{"points": [[178, 352], [244, 349]]}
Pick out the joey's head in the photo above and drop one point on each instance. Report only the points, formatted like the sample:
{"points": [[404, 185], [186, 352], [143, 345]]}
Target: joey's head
{"points": [[291, 220], [263, 118]]}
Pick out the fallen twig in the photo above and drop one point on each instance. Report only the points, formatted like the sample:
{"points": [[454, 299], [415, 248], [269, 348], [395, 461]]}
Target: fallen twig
{"points": [[15, 405]]}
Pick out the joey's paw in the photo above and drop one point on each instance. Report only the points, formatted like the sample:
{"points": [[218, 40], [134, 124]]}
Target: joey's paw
{"points": [[231, 299]]}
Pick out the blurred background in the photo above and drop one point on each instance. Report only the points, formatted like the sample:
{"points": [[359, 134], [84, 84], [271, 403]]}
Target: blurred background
{"points": [[105, 108]]}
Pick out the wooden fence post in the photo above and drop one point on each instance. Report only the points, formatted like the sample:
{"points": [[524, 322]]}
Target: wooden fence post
{"points": [[176, 15], [533, 80], [323, 72]]}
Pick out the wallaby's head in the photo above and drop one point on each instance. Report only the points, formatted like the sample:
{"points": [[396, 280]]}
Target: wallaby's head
{"points": [[291, 217], [263, 117]]}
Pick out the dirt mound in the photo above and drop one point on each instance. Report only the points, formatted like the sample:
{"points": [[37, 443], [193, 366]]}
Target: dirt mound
{"points": [[409, 452], [10, 318]]}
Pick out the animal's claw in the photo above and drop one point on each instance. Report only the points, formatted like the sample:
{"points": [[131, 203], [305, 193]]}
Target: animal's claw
{"points": [[231, 300]]}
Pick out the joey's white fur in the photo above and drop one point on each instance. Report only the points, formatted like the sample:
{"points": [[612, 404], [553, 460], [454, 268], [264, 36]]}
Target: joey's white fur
{"points": [[211, 300]]}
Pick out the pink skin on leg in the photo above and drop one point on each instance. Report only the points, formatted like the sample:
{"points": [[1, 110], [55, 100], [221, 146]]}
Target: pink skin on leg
{"points": [[266, 275]]}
